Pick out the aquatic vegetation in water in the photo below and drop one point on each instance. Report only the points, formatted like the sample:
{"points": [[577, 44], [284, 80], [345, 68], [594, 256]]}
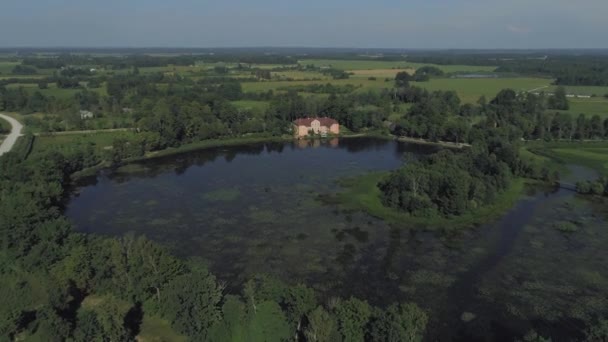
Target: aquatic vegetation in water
{"points": [[258, 215], [222, 195], [426, 277], [566, 227], [358, 234]]}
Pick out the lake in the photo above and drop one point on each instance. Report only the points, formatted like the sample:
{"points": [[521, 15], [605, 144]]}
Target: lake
{"points": [[254, 209]]}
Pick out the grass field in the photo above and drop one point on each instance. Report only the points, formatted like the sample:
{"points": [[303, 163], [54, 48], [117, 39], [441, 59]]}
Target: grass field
{"points": [[52, 90], [365, 84], [299, 75], [7, 67], [582, 90], [156, 329], [64, 143], [5, 127], [470, 89], [251, 105], [589, 107], [593, 155], [373, 64]]}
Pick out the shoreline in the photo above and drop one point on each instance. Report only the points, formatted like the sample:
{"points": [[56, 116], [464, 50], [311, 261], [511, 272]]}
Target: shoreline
{"points": [[213, 143], [206, 144], [362, 194]]}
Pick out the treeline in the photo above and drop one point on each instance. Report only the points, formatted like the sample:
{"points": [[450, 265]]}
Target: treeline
{"points": [[439, 115], [142, 60], [327, 88], [567, 70], [57, 285]]}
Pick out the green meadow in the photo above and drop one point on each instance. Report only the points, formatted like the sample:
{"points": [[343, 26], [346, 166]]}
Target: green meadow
{"points": [[375, 64], [470, 89], [593, 155]]}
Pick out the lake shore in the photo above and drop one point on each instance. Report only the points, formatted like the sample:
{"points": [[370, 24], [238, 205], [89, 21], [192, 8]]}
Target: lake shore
{"points": [[362, 194]]}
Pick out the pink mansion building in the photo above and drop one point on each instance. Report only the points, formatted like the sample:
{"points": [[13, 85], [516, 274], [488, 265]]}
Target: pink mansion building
{"points": [[322, 126]]}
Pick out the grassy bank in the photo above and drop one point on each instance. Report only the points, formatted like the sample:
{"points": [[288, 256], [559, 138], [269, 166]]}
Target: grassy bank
{"points": [[362, 193], [593, 155]]}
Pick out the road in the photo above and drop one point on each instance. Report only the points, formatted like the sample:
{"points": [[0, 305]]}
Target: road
{"points": [[11, 139]]}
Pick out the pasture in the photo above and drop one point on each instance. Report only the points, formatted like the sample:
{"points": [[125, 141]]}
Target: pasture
{"points": [[589, 107], [6, 67], [375, 64], [582, 90], [591, 154], [470, 89]]}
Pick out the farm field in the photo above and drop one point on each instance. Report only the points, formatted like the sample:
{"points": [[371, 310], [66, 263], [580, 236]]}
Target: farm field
{"points": [[7, 67], [364, 83], [373, 64], [53, 90], [469, 90], [589, 107], [583, 90]]}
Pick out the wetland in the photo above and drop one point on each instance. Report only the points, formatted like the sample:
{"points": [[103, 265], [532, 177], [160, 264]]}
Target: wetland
{"points": [[255, 209]]}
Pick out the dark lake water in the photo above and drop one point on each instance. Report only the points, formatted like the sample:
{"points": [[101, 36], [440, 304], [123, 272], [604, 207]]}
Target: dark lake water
{"points": [[253, 209]]}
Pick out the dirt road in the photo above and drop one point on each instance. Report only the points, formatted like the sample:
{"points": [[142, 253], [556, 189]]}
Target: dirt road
{"points": [[11, 139]]}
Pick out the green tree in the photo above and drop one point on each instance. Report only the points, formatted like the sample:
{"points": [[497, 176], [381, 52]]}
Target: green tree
{"points": [[268, 323], [402, 79], [321, 326], [191, 303], [559, 100], [111, 314], [399, 323], [353, 316]]}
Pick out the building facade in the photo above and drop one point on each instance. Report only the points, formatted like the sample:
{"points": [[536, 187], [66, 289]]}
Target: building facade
{"points": [[321, 126]]}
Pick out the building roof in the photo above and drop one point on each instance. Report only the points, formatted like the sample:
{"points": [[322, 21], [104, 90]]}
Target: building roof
{"points": [[325, 121]]}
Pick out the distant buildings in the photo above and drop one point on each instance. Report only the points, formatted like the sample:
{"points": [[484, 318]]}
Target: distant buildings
{"points": [[322, 126], [85, 114]]}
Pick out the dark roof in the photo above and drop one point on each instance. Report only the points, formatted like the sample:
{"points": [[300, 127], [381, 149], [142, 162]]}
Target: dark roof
{"points": [[325, 121]]}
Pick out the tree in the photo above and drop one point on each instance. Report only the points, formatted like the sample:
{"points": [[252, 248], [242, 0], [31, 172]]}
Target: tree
{"points": [[596, 127], [111, 314], [321, 326], [399, 322], [353, 316], [191, 303], [582, 131], [402, 79], [268, 323], [559, 100]]}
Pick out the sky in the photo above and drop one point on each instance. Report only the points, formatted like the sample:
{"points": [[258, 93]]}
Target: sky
{"points": [[414, 24]]}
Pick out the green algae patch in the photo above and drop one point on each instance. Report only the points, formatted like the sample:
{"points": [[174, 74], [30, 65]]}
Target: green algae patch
{"points": [[222, 195]]}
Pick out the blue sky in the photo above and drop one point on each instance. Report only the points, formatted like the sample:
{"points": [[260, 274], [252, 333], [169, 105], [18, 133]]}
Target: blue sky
{"points": [[310, 23]]}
